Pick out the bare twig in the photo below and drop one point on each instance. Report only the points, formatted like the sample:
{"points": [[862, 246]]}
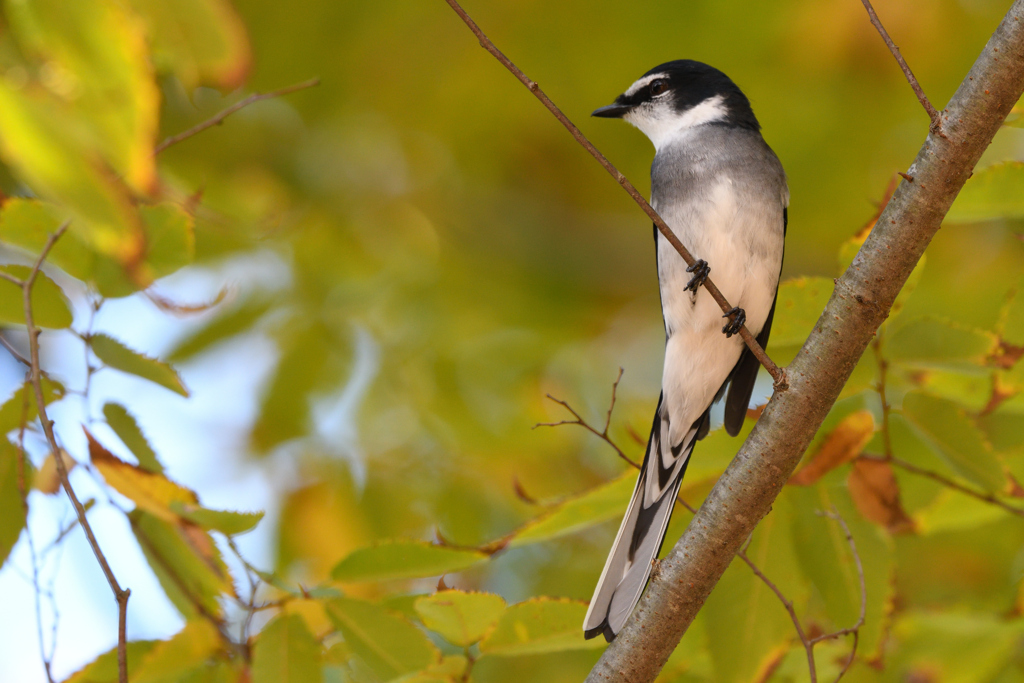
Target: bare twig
{"points": [[241, 104], [883, 369], [5, 342], [120, 594], [778, 375], [945, 481], [936, 124]]}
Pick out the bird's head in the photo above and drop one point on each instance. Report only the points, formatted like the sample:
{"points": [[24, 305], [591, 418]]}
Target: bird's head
{"points": [[676, 97]]}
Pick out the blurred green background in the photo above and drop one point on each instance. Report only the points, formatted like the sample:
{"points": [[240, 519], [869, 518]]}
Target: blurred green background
{"points": [[415, 253]]}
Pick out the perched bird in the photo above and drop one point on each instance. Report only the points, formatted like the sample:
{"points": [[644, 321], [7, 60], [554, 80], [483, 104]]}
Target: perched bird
{"points": [[723, 192]]}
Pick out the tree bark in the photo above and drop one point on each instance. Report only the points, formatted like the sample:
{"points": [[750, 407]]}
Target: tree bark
{"points": [[860, 303]]}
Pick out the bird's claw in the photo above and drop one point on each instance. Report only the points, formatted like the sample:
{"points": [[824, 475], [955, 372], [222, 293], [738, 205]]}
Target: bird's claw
{"points": [[700, 270], [738, 319]]}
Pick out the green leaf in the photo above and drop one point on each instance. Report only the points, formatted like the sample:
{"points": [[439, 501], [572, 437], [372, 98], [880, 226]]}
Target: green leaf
{"points": [[798, 307], [12, 512], [994, 192], [22, 403], [227, 522], [225, 325], [99, 51], [540, 625], [961, 647], [50, 308], [186, 561], [170, 239], [127, 429], [389, 644], [36, 140], [597, 505], [1011, 317], [286, 652], [118, 356], [461, 618], [202, 41], [955, 438], [104, 668], [928, 341], [168, 660], [745, 623], [404, 559]]}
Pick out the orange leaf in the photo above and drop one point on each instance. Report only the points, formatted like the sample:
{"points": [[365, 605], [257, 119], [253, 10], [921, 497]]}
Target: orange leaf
{"points": [[876, 494], [844, 444]]}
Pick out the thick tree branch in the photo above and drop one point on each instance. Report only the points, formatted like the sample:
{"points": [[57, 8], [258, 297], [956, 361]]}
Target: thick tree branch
{"points": [[777, 373], [861, 301]]}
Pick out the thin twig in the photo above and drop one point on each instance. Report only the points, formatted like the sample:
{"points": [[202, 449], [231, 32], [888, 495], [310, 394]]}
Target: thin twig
{"points": [[120, 594], [945, 481], [14, 352], [241, 104], [936, 125], [778, 375], [855, 629], [10, 278]]}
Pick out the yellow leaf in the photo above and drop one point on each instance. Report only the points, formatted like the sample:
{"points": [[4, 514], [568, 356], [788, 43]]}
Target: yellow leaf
{"points": [[150, 491]]}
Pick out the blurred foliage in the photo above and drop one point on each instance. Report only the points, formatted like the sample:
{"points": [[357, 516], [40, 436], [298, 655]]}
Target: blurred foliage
{"points": [[449, 256]]}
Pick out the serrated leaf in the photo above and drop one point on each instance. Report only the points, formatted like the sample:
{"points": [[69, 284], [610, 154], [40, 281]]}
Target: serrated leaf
{"points": [[286, 652], [843, 444], [224, 326], [127, 429], [104, 668], [168, 660], [150, 491], [404, 559], [12, 511], [227, 522], [461, 618], [202, 41], [993, 192], [50, 308], [37, 141], [388, 644], [118, 356], [186, 561], [170, 239], [587, 509], [22, 404], [798, 307], [929, 341], [540, 625], [946, 428]]}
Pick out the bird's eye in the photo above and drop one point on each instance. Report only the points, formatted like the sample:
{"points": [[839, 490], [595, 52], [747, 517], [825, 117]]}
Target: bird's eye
{"points": [[658, 86]]}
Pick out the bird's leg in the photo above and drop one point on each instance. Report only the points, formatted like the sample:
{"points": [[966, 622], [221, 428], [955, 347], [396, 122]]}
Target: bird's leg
{"points": [[737, 319], [700, 270]]}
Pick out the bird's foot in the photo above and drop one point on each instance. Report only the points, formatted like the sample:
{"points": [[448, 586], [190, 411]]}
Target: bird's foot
{"points": [[737, 319], [700, 270]]}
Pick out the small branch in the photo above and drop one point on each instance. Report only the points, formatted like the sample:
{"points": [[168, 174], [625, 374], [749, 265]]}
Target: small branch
{"points": [[242, 104], [62, 470], [788, 604], [13, 351], [922, 98], [883, 369], [945, 481], [778, 375]]}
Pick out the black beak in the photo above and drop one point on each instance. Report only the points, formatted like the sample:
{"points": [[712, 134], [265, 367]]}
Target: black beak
{"points": [[612, 111]]}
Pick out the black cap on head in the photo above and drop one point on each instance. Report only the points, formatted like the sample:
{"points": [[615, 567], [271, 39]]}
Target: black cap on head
{"points": [[687, 83]]}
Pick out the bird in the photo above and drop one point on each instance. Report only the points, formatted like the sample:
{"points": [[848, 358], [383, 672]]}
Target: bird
{"points": [[723, 192]]}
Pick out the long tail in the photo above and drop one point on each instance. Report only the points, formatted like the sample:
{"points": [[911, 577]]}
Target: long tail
{"points": [[643, 529]]}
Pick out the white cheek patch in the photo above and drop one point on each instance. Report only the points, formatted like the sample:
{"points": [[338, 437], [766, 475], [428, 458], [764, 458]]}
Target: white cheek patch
{"points": [[662, 124], [642, 83]]}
